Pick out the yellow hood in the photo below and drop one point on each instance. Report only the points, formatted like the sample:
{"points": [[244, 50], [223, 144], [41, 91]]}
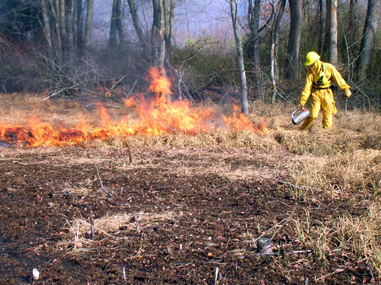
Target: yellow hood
{"points": [[316, 68]]}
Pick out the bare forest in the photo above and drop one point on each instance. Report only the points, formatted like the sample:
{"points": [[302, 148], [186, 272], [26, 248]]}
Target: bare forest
{"points": [[152, 142]]}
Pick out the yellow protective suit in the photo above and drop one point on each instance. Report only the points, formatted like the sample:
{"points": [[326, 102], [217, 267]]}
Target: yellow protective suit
{"points": [[321, 96]]}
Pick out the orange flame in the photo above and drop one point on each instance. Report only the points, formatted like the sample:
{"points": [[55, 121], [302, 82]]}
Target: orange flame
{"points": [[155, 116], [160, 84]]}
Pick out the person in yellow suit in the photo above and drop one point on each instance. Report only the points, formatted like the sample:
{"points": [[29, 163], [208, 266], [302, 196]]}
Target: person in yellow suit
{"points": [[319, 79]]}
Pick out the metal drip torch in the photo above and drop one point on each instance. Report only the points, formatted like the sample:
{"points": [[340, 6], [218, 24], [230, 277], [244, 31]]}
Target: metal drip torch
{"points": [[298, 118]]}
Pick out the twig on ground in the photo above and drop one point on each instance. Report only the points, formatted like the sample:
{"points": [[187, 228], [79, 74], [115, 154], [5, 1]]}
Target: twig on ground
{"points": [[216, 277], [53, 94], [92, 227], [279, 225], [293, 185], [59, 91], [339, 270], [129, 153], [291, 252], [100, 180], [68, 184], [65, 193], [124, 274], [103, 105]]}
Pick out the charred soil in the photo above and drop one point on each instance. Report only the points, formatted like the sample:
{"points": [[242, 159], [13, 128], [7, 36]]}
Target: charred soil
{"points": [[173, 218]]}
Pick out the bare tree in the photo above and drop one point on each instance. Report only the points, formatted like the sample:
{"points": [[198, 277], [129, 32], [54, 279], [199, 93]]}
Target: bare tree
{"points": [[158, 37], [62, 23], [332, 31], [78, 24], [253, 14], [116, 28], [46, 23], [368, 40], [275, 45], [353, 21], [89, 22], [293, 48], [137, 26], [320, 31], [241, 66], [55, 5], [157, 34], [253, 19], [69, 24], [169, 11]]}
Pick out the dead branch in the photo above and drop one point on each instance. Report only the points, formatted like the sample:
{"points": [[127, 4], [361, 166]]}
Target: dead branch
{"points": [[132, 88], [129, 154], [54, 94], [293, 185], [92, 227], [100, 180], [307, 251], [103, 105], [58, 92], [117, 82]]}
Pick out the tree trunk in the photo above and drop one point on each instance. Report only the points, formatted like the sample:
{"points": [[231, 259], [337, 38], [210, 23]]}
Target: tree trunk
{"points": [[253, 20], [113, 31], [275, 46], [169, 10], [158, 42], [138, 29], [69, 24], [62, 24], [292, 61], [79, 23], [116, 29], [56, 13], [89, 22], [275, 33], [332, 30], [353, 19], [119, 25], [368, 40], [45, 17], [241, 66], [321, 27]]}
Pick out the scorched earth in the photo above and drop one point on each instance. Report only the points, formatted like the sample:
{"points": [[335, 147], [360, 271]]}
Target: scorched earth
{"points": [[177, 215]]}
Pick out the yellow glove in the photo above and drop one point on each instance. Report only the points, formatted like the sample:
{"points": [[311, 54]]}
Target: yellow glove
{"points": [[300, 107], [348, 93]]}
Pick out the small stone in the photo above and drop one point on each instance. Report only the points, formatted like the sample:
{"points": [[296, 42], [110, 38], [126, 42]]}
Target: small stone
{"points": [[36, 274], [264, 245]]}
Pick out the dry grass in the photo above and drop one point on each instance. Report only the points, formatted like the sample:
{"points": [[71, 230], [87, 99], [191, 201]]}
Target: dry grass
{"points": [[345, 159], [109, 225], [362, 234]]}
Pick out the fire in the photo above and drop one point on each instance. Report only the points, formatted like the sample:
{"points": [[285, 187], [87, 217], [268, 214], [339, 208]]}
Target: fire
{"points": [[155, 115], [160, 83]]}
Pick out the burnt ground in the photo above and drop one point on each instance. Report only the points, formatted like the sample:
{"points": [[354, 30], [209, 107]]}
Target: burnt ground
{"points": [[191, 219]]}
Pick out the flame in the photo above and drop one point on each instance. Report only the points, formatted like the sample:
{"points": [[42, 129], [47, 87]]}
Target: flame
{"points": [[155, 115], [160, 84]]}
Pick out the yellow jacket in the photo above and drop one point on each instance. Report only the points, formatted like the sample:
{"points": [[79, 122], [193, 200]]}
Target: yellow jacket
{"points": [[314, 74]]}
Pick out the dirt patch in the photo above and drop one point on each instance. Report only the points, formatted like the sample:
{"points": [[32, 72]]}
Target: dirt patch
{"points": [[181, 216]]}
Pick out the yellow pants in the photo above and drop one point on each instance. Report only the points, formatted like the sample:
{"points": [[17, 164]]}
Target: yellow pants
{"points": [[320, 98]]}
